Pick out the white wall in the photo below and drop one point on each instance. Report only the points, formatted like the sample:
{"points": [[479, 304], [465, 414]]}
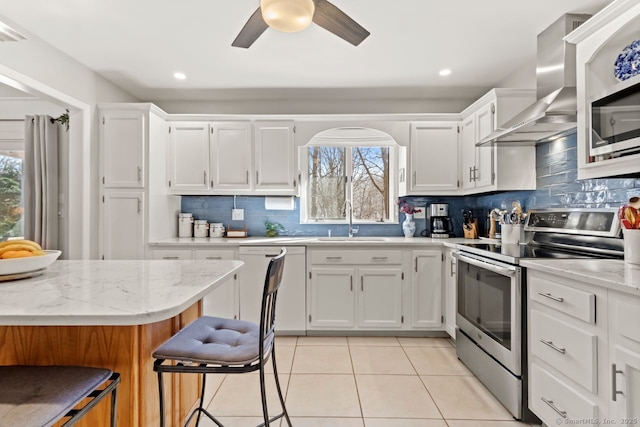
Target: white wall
{"points": [[33, 62], [523, 78]]}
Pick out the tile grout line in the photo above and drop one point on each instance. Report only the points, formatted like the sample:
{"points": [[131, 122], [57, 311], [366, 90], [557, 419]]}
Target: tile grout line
{"points": [[353, 372]]}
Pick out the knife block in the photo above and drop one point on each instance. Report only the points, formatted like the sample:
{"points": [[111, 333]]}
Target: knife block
{"points": [[471, 230]]}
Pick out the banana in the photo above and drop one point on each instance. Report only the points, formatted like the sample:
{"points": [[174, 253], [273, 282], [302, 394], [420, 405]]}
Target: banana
{"points": [[23, 242], [20, 247]]}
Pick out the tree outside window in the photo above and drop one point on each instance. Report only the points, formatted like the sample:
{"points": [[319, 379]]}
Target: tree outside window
{"points": [[11, 223], [358, 174]]}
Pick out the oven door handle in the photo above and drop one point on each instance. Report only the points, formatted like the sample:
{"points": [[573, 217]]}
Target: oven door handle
{"points": [[505, 271]]}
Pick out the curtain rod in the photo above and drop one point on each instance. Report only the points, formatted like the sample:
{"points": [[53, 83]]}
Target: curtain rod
{"points": [[11, 120]]}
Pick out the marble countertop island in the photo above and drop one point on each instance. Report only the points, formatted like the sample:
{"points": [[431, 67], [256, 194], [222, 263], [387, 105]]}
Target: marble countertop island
{"points": [[608, 273], [92, 292]]}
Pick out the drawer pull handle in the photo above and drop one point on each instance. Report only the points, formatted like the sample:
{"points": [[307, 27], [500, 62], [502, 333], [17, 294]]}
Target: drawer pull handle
{"points": [[379, 258], [614, 385], [333, 257], [553, 346], [170, 257], [214, 257], [547, 295], [563, 414]]}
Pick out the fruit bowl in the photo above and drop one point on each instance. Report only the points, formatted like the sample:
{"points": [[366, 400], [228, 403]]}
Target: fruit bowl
{"points": [[24, 265]]}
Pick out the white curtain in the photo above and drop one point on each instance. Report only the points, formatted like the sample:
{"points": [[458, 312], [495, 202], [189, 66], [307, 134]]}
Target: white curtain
{"points": [[40, 181]]}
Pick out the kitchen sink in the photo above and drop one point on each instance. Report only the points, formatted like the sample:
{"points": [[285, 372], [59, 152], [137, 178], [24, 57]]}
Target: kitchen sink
{"points": [[352, 239]]}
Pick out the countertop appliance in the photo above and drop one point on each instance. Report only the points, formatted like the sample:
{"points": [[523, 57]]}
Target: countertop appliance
{"points": [[492, 289], [439, 222]]}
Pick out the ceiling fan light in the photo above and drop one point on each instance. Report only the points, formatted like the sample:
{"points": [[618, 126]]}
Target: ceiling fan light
{"points": [[287, 16]]}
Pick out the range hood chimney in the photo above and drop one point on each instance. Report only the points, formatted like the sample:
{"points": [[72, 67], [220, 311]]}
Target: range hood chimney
{"points": [[554, 114]]}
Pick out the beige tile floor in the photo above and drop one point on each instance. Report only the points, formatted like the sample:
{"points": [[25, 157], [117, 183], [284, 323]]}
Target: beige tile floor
{"points": [[362, 382]]}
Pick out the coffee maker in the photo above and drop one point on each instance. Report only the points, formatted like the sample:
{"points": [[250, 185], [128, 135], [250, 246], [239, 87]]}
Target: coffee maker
{"points": [[439, 222]]}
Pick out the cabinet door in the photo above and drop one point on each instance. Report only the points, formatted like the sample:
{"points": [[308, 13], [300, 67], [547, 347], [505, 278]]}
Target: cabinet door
{"points": [[122, 225], [426, 289], [380, 298], [122, 149], [625, 385], [485, 124], [434, 156], [468, 138], [189, 160], [223, 301], [230, 148], [451, 295], [332, 298], [275, 157]]}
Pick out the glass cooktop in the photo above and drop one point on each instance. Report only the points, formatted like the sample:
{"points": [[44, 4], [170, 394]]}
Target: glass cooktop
{"points": [[513, 252]]}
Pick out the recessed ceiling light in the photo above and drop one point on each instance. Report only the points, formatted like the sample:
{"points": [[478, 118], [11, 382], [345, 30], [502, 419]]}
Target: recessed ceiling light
{"points": [[180, 76], [445, 72]]}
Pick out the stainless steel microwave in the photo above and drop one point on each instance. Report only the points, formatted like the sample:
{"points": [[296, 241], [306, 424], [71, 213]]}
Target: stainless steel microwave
{"points": [[615, 122]]}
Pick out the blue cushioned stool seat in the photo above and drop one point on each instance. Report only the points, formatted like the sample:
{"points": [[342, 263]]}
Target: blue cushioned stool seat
{"points": [[214, 340], [42, 395]]}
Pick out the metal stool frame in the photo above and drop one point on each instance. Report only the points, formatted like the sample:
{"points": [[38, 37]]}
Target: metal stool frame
{"points": [[267, 333], [97, 396]]}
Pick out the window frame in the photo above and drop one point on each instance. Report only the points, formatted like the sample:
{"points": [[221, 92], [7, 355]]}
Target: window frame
{"points": [[15, 145], [349, 146]]}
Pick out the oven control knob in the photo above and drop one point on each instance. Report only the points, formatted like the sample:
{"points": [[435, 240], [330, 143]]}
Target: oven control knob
{"points": [[479, 336]]}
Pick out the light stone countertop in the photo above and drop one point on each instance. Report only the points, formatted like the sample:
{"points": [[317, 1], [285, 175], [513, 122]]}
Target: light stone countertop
{"points": [[92, 292], [608, 273], [311, 241]]}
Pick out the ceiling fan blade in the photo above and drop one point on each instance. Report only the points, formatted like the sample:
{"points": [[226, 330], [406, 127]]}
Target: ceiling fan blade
{"points": [[339, 23], [254, 27]]}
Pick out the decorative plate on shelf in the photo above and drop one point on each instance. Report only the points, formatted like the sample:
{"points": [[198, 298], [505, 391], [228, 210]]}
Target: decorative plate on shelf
{"points": [[24, 265], [627, 64]]}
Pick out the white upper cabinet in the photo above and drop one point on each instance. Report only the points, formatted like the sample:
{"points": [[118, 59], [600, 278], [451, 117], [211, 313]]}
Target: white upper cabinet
{"points": [[275, 157], [230, 148], [122, 149], [598, 42], [433, 165], [503, 166], [189, 159]]}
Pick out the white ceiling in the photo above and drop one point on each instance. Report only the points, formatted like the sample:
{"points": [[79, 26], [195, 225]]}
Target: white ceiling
{"points": [[139, 44]]}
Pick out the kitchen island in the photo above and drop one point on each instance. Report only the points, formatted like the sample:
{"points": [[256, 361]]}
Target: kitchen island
{"points": [[110, 314]]}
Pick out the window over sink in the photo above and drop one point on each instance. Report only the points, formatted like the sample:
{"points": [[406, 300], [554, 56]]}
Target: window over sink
{"points": [[349, 169]]}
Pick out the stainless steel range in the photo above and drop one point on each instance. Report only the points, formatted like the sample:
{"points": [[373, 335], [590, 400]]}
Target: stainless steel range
{"points": [[491, 312]]}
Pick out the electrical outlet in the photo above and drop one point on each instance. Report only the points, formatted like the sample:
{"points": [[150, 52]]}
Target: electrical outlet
{"points": [[237, 214], [422, 214]]}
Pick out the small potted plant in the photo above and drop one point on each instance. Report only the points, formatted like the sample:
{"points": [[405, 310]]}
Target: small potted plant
{"points": [[273, 228]]}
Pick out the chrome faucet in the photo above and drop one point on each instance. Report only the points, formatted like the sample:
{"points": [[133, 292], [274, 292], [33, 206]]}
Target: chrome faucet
{"points": [[352, 230]]}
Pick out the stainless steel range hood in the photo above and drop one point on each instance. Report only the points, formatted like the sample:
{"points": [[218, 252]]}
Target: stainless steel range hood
{"points": [[554, 113]]}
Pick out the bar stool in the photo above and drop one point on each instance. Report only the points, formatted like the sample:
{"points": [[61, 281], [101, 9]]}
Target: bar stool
{"points": [[214, 345], [40, 396]]}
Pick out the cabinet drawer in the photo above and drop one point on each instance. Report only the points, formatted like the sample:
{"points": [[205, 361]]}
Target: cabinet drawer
{"points": [[213, 254], [555, 402], [377, 257], [574, 302], [568, 349], [172, 254]]}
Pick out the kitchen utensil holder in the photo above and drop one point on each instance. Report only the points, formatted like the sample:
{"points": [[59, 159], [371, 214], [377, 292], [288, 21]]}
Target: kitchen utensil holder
{"points": [[512, 233]]}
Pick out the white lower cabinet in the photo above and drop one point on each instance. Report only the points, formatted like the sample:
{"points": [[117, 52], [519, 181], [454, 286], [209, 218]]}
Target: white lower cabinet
{"points": [[222, 301], [426, 289], [355, 289], [569, 332], [290, 309], [624, 358], [332, 298], [449, 282]]}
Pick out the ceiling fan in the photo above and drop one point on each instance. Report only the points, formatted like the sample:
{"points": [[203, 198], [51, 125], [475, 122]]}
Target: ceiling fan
{"points": [[296, 15]]}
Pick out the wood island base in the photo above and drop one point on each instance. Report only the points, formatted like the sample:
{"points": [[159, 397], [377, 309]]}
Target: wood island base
{"points": [[124, 349]]}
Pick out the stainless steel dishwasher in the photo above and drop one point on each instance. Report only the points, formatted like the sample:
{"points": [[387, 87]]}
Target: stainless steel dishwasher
{"points": [[291, 305]]}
